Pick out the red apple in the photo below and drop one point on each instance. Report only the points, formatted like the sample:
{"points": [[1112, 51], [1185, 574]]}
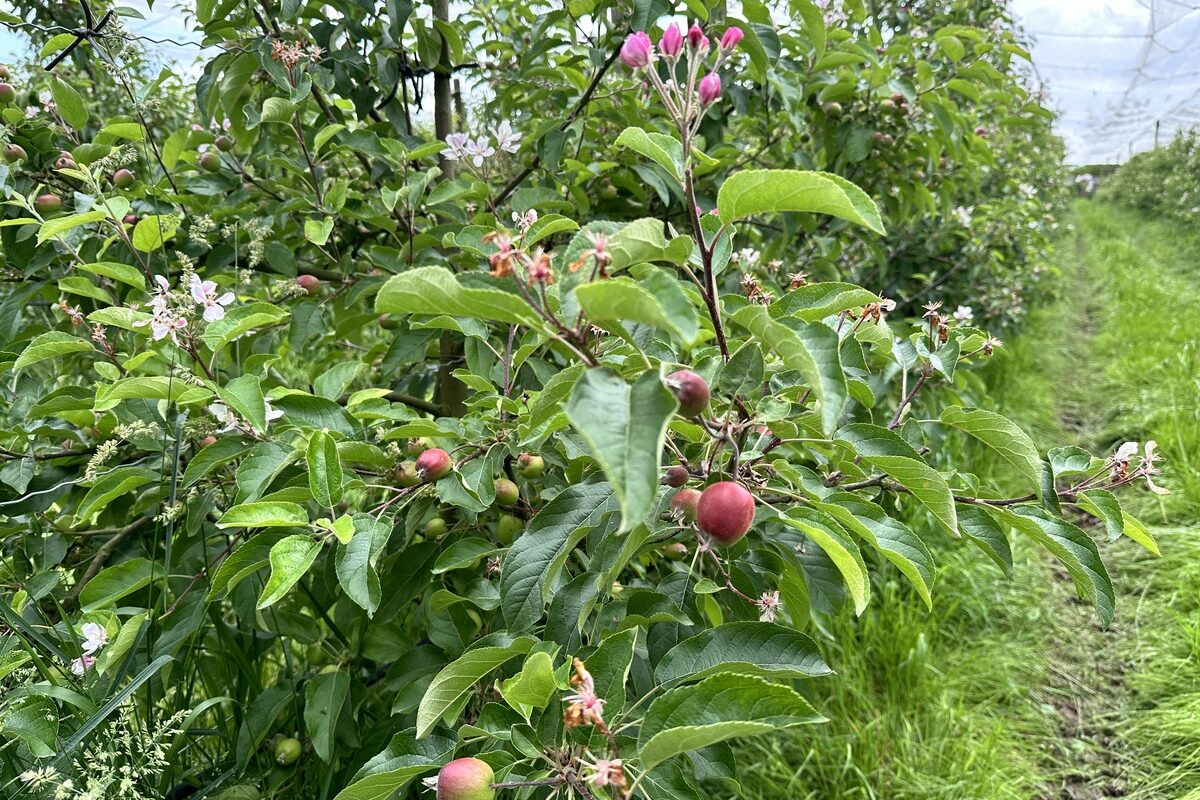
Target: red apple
{"points": [[433, 464], [466, 779], [690, 390], [123, 178], [311, 284], [685, 504], [725, 511], [47, 203]]}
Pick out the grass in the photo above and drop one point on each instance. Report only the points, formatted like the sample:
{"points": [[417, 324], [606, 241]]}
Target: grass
{"points": [[1007, 689]]}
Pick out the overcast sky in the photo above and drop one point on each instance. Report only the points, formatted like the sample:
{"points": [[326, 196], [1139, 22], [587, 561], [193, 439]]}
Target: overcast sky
{"points": [[1111, 67]]}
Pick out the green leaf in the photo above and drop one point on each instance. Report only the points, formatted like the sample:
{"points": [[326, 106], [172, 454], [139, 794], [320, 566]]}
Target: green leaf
{"points": [[290, 559], [70, 104], [436, 290], [113, 583], [53, 227], [324, 469], [110, 486], [624, 299], [1001, 435], [356, 561], [404, 759], [277, 109], [1074, 548], [324, 696], [241, 320], [827, 535], [533, 686], [33, 720], [752, 192], [809, 348], [644, 240], [50, 345], [124, 273], [244, 395], [462, 554], [275, 514], [215, 456], [153, 231], [814, 302], [721, 707], [1135, 530], [457, 678], [535, 559], [664, 150], [253, 555], [982, 528], [748, 648], [624, 427], [894, 540], [886, 451], [1104, 506], [610, 665]]}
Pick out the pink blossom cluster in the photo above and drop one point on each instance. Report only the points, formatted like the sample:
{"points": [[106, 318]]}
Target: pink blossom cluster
{"points": [[169, 316], [638, 52]]}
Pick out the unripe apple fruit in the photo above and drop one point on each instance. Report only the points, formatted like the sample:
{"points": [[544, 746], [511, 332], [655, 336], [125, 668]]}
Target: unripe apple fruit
{"points": [[130, 219], [833, 109], [725, 511], [388, 322], [509, 528], [685, 504], [899, 99], [435, 527], [315, 655], [14, 153], [675, 551], [65, 161], [223, 143], [5, 74], [311, 284], [208, 440], [406, 474], [433, 464], [210, 162], [466, 779], [47, 203], [530, 466], [7, 93], [690, 390], [287, 751], [122, 178], [676, 476], [507, 493], [418, 446]]}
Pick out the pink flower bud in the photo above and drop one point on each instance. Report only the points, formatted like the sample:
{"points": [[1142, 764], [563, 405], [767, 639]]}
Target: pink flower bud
{"points": [[729, 41], [710, 88], [696, 37], [635, 52], [671, 42]]}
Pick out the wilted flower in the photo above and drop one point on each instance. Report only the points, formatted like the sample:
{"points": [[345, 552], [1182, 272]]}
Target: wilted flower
{"points": [[584, 706], [82, 664], [205, 294], [502, 259], [768, 605], [636, 51], [539, 270], [606, 772]]}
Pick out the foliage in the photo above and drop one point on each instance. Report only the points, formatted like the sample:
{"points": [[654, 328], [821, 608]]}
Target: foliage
{"points": [[1162, 181], [266, 402]]}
